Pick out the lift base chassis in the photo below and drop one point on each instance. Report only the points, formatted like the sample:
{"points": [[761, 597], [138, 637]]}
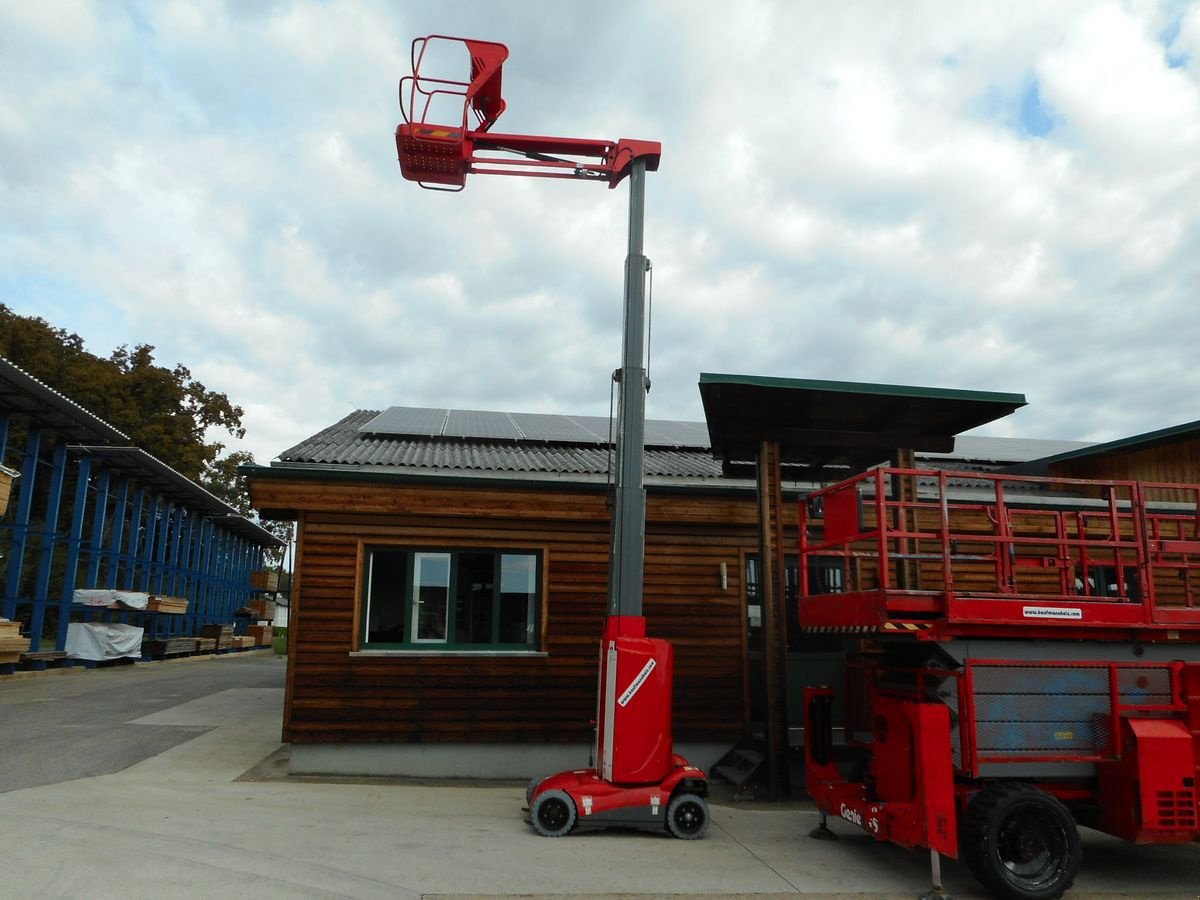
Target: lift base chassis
{"points": [[998, 760], [587, 801]]}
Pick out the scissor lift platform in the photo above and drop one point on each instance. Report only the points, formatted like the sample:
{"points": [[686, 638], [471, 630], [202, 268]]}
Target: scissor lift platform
{"points": [[969, 554], [1028, 661]]}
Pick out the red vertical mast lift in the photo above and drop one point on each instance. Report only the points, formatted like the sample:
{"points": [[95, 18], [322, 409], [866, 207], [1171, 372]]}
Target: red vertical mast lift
{"points": [[638, 779]]}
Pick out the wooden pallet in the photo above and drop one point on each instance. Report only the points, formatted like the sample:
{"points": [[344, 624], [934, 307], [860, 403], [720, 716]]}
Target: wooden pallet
{"points": [[160, 649], [39, 660]]}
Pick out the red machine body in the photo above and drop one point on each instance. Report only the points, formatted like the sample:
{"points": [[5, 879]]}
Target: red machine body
{"points": [[910, 800], [1149, 790], [1022, 662], [633, 740], [639, 781]]}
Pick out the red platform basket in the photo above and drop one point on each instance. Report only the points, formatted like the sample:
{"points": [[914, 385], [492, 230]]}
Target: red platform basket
{"points": [[437, 154], [447, 127]]}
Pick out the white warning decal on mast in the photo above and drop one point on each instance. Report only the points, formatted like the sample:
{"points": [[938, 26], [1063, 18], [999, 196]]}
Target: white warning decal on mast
{"points": [[624, 699]]}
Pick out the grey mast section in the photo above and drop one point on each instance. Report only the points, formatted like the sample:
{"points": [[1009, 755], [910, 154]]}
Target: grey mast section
{"points": [[627, 551]]}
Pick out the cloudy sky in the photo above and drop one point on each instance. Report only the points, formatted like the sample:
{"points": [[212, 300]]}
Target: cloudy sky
{"points": [[985, 196]]}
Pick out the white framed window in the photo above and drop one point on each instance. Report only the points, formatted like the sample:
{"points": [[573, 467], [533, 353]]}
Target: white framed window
{"points": [[451, 599]]}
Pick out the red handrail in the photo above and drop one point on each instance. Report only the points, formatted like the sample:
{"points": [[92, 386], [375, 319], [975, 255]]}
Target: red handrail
{"points": [[1106, 542]]}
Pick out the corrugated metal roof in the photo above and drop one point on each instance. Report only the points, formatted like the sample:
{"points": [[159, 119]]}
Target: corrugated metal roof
{"points": [[46, 407], [346, 444], [20, 392], [1174, 434], [1005, 450]]}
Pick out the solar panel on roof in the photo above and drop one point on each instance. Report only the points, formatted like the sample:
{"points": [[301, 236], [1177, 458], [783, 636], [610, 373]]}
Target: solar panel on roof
{"points": [[548, 427], [475, 423], [553, 428], [1005, 449], [413, 420], [597, 425], [667, 433]]}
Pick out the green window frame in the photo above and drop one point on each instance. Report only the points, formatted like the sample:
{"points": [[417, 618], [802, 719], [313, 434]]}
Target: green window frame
{"points": [[451, 599]]}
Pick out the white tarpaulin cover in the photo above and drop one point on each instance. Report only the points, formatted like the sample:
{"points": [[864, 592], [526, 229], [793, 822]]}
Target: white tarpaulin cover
{"points": [[109, 597], [98, 641]]}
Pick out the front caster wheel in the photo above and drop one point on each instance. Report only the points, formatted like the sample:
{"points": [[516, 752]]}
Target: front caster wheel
{"points": [[687, 816], [1020, 842], [553, 814]]}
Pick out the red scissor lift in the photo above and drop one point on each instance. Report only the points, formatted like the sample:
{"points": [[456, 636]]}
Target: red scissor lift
{"points": [[637, 780], [1027, 660]]}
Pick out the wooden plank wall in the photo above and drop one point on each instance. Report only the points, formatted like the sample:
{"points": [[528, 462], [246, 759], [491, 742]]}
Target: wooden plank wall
{"points": [[1177, 463], [334, 696]]}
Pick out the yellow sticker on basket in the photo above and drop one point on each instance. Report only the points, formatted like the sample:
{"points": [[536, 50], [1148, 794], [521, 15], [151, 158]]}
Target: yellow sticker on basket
{"points": [[1064, 735]]}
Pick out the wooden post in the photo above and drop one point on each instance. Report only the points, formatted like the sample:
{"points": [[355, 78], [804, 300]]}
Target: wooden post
{"points": [[773, 585]]}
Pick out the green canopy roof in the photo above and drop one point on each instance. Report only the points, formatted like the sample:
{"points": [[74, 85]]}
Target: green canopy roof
{"points": [[839, 423]]}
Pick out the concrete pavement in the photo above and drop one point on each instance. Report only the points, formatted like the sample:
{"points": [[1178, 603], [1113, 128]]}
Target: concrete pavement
{"points": [[216, 815]]}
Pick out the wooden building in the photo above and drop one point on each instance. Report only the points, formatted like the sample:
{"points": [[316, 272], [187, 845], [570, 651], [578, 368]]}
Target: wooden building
{"points": [[451, 578], [1170, 455], [508, 546]]}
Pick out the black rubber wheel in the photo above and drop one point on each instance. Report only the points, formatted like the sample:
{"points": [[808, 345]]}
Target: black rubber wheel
{"points": [[1020, 842], [687, 816], [553, 814]]}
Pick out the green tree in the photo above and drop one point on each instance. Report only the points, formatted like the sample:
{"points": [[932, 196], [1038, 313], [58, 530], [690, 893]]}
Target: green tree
{"points": [[166, 412], [223, 480]]}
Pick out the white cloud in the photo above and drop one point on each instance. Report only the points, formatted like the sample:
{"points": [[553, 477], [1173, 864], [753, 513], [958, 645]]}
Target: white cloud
{"points": [[847, 192]]}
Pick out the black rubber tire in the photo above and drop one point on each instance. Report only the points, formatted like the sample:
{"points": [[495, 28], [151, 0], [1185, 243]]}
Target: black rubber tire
{"points": [[1020, 842], [531, 787], [687, 816], [553, 814]]}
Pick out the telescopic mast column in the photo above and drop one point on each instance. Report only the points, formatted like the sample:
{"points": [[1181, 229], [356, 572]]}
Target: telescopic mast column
{"points": [[626, 559]]}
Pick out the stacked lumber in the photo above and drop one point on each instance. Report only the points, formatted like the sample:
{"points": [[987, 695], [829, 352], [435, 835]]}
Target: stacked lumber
{"points": [[262, 610], [262, 634], [6, 481], [172, 605], [162, 648], [242, 641], [12, 645], [264, 581], [205, 645], [220, 633]]}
